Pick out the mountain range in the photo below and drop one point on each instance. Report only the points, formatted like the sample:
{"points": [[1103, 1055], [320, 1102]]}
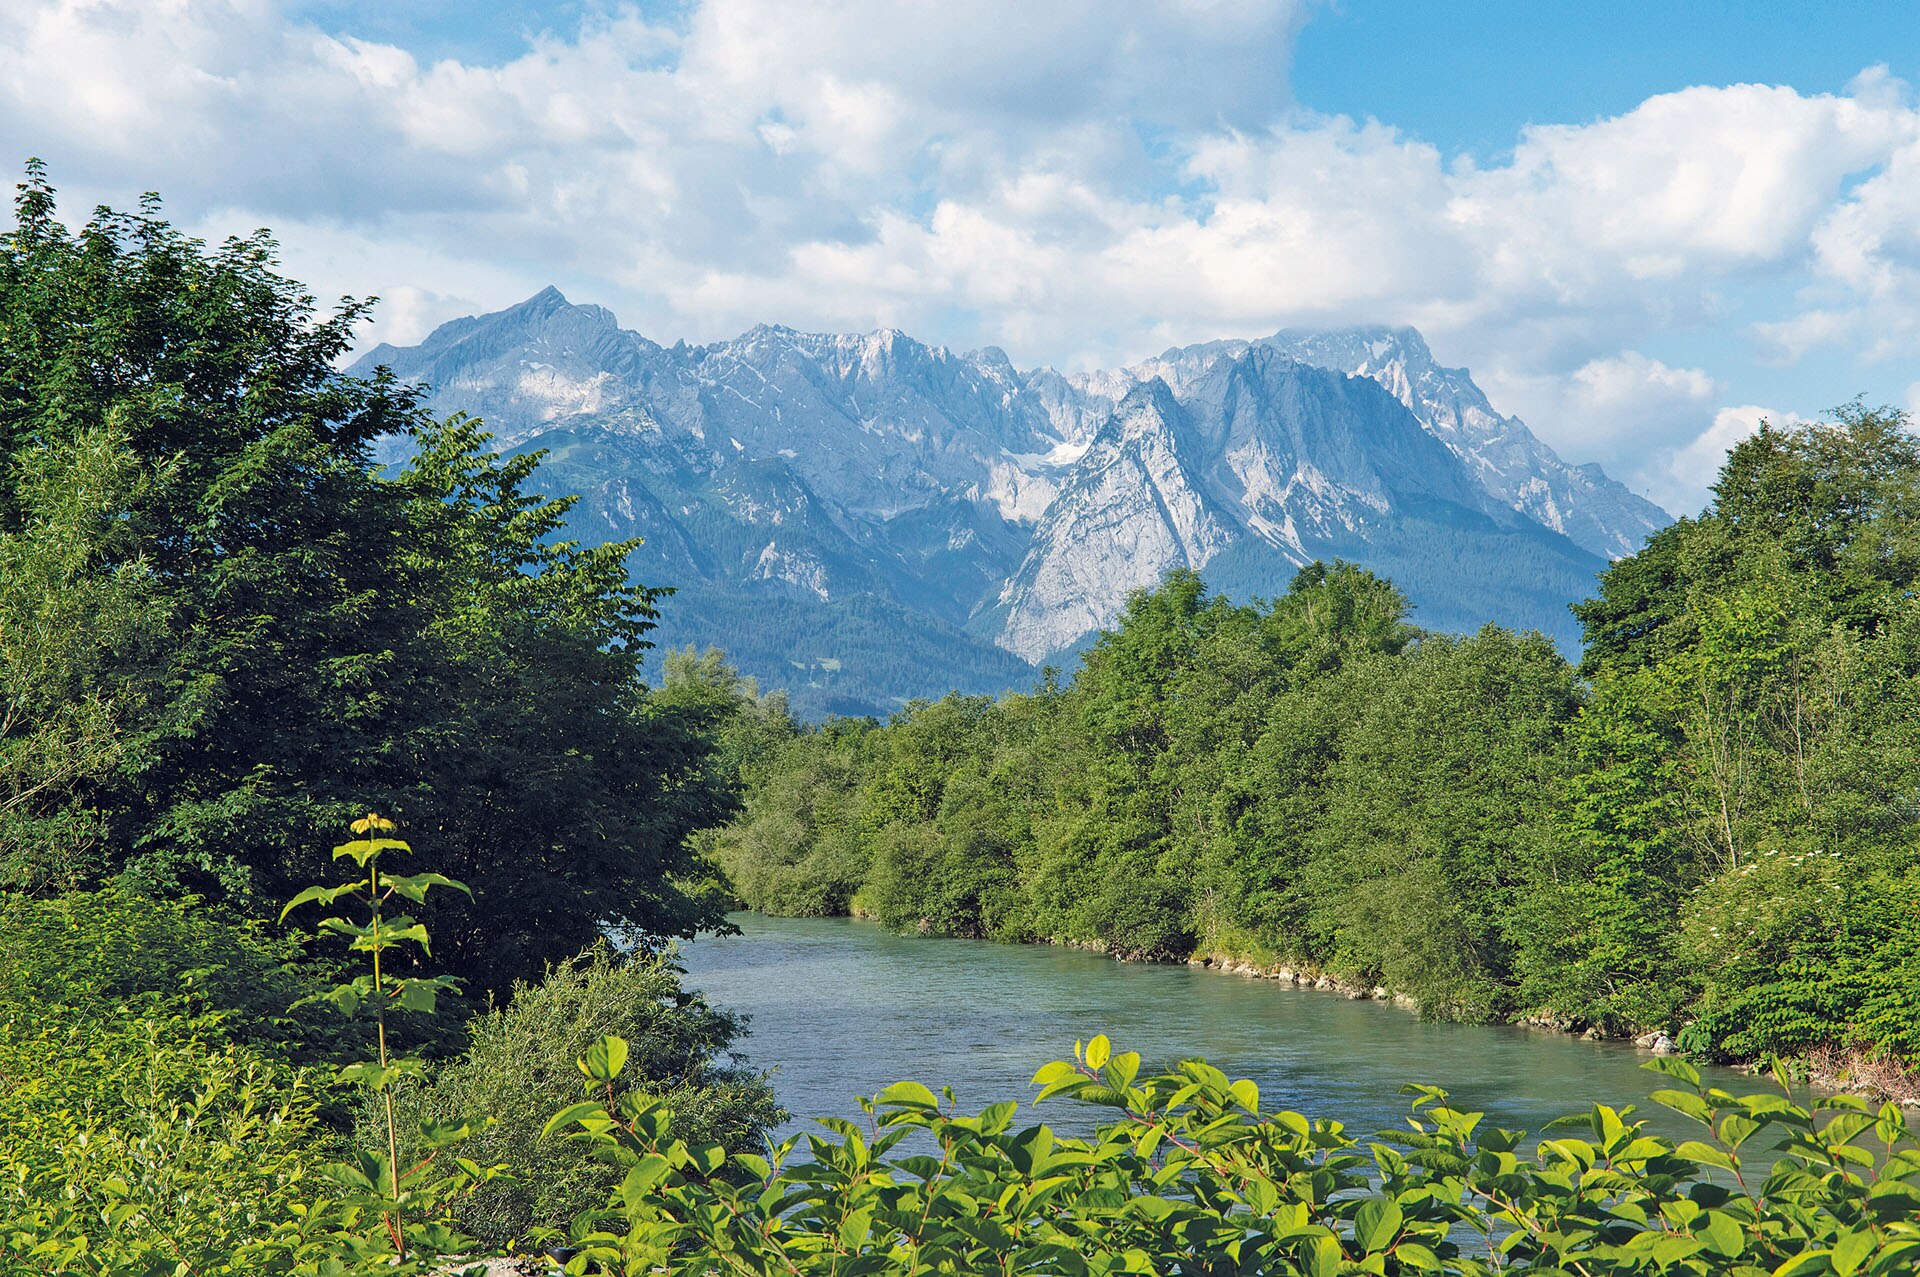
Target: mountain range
{"points": [[868, 518]]}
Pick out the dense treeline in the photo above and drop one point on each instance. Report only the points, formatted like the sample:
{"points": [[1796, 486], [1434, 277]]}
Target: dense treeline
{"points": [[1709, 827]]}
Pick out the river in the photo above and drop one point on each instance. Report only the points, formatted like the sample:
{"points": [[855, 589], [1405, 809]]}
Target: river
{"points": [[840, 1008]]}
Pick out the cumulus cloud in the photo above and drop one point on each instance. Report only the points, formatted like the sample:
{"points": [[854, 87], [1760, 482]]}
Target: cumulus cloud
{"points": [[1619, 406], [1077, 182], [1680, 478]]}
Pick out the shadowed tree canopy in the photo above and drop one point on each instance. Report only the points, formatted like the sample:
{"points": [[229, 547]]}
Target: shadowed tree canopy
{"points": [[224, 630]]}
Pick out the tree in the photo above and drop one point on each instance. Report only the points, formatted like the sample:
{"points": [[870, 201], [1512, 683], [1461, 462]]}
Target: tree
{"points": [[298, 635]]}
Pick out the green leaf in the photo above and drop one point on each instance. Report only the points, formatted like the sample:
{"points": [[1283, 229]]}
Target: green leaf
{"points": [[417, 995], [346, 998], [1052, 1072], [414, 887], [647, 1172], [587, 1111], [1807, 1261], [909, 1095], [605, 1059], [367, 1073], [1098, 1051], [1377, 1224], [1722, 1233], [325, 895], [1684, 1102], [1674, 1068], [1851, 1251], [1736, 1129], [439, 1133], [1705, 1154], [362, 850], [853, 1229], [1414, 1255], [1323, 1257]]}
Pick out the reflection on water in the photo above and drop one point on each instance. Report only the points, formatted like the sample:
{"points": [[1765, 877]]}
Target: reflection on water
{"points": [[842, 1008]]}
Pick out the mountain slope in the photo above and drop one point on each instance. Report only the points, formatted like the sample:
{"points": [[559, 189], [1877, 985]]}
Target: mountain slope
{"points": [[867, 518], [1259, 464], [1504, 457]]}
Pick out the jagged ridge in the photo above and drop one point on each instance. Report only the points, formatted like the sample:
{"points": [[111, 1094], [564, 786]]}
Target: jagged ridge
{"points": [[956, 492]]}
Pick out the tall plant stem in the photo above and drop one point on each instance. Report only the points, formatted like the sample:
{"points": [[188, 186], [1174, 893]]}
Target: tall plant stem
{"points": [[394, 1223]]}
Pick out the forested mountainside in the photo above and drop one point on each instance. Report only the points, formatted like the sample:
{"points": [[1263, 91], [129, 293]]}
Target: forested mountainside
{"points": [[866, 519]]}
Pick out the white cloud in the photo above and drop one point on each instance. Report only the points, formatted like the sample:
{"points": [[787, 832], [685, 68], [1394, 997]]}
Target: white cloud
{"points": [[1681, 478], [1619, 406], [1076, 181]]}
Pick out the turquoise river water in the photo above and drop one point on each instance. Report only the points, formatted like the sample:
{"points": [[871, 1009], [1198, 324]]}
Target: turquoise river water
{"points": [[840, 1008]]}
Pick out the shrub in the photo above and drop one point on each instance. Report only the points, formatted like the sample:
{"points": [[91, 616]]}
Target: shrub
{"points": [[137, 1144], [521, 1065], [102, 952], [1190, 1175]]}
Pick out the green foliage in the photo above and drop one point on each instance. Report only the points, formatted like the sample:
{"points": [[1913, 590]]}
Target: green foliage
{"points": [[1742, 831], [146, 1145], [1309, 776], [64, 623], [118, 950], [795, 848], [1715, 834], [1191, 1175], [224, 629], [520, 1066]]}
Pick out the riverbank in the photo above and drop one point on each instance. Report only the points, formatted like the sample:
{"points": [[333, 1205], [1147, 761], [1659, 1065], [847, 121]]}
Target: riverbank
{"points": [[1828, 1069]]}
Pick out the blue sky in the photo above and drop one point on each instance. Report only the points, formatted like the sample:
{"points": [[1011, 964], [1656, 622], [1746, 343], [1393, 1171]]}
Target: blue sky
{"points": [[1469, 77], [1643, 226]]}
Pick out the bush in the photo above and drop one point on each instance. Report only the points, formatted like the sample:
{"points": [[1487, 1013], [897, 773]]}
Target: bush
{"points": [[114, 950], [143, 1144], [1190, 1175], [521, 1066]]}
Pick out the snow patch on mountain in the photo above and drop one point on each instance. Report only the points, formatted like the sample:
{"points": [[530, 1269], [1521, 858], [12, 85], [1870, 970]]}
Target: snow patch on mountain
{"points": [[1027, 504]]}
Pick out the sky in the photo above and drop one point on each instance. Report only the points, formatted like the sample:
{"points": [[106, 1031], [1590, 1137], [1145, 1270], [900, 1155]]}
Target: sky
{"points": [[1642, 226]]}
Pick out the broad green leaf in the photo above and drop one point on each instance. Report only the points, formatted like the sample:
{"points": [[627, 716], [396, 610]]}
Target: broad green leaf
{"points": [[1705, 1154], [1851, 1251], [1415, 1255], [438, 1133], [605, 1059], [367, 1073], [1736, 1129], [325, 895], [1052, 1072], [1377, 1224], [647, 1172], [909, 1093], [1684, 1102], [417, 995], [583, 1112], [362, 850], [415, 886], [1722, 1233], [1674, 1068], [346, 998], [1098, 1050]]}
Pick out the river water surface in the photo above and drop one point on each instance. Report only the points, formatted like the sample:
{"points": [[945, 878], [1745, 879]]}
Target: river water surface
{"points": [[840, 1008]]}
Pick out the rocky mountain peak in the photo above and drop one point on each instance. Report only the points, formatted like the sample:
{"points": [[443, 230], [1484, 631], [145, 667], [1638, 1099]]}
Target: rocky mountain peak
{"points": [[847, 472]]}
